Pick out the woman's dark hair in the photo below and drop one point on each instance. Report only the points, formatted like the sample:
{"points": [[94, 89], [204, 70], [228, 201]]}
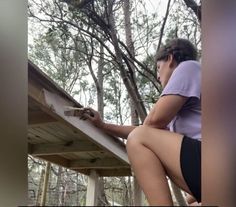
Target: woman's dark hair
{"points": [[181, 49]]}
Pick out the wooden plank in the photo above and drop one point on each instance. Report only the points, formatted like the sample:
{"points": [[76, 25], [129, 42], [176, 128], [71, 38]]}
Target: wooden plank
{"points": [[77, 155], [54, 128], [35, 93], [36, 137], [56, 133], [97, 163], [48, 137], [62, 148], [40, 102], [70, 131], [39, 118], [115, 172]]}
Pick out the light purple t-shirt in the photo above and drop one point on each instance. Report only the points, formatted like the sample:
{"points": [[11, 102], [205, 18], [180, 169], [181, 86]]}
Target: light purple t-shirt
{"points": [[186, 81]]}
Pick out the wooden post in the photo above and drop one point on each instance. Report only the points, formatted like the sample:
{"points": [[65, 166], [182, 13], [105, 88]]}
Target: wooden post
{"points": [[92, 189], [45, 184], [138, 194]]}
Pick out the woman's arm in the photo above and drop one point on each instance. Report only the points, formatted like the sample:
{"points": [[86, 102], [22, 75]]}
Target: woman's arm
{"points": [[164, 111], [112, 129], [160, 115], [118, 130]]}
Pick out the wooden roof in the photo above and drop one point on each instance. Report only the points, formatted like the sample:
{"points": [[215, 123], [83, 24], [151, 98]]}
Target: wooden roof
{"points": [[66, 140]]}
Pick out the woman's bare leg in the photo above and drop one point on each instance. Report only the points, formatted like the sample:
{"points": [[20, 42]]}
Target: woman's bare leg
{"points": [[153, 153], [143, 158], [192, 201]]}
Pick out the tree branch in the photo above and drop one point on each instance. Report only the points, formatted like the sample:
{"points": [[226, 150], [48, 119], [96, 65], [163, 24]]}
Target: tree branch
{"points": [[196, 8]]}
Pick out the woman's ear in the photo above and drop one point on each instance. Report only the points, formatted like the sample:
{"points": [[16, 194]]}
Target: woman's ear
{"points": [[172, 62]]}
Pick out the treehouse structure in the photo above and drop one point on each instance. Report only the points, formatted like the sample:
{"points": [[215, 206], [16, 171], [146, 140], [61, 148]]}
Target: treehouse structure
{"points": [[68, 141]]}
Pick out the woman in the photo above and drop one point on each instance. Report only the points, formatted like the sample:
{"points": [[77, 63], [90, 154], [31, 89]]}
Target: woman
{"points": [[168, 142]]}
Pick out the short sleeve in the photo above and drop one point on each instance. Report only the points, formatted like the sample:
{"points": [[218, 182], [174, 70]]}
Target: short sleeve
{"points": [[185, 80]]}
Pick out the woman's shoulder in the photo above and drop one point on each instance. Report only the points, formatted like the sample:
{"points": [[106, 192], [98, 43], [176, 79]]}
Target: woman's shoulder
{"points": [[190, 63], [188, 67]]}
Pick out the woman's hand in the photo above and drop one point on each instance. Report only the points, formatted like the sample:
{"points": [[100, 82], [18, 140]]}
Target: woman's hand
{"points": [[93, 116]]}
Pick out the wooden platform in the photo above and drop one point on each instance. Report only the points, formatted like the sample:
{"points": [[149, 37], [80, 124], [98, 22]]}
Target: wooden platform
{"points": [[67, 140]]}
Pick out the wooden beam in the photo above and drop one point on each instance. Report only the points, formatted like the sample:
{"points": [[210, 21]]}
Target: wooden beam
{"points": [[92, 189], [39, 118], [107, 163], [62, 148], [114, 172], [108, 172], [117, 172], [56, 159]]}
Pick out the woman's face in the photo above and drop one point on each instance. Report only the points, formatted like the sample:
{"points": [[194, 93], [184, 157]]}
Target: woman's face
{"points": [[165, 69]]}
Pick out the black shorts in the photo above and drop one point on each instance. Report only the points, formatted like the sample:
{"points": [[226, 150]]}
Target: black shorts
{"points": [[190, 163]]}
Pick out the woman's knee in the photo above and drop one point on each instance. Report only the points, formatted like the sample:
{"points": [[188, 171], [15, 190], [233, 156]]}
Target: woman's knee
{"points": [[137, 134], [135, 137]]}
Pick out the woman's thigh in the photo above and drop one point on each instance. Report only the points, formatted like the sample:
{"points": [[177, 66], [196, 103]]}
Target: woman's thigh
{"points": [[166, 146]]}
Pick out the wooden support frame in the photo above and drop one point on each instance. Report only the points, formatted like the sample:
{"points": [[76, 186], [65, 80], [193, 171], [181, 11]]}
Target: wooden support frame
{"points": [[47, 103], [62, 148], [85, 166], [53, 104], [97, 164], [115, 172], [57, 104]]}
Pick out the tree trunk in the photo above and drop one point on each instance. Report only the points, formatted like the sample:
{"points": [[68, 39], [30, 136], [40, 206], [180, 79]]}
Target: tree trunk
{"points": [[100, 91], [64, 194], [77, 189], [125, 193], [45, 184], [127, 77], [134, 114], [130, 46], [102, 199], [131, 201], [37, 203], [58, 184]]}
